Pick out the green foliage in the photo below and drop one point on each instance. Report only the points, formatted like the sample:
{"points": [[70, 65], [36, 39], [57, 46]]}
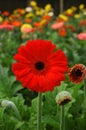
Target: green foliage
{"points": [[11, 90], [8, 47], [8, 85]]}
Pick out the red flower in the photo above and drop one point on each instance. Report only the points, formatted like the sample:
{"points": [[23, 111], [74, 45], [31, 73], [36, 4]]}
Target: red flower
{"points": [[39, 67], [71, 27], [6, 13], [82, 23], [62, 32]]}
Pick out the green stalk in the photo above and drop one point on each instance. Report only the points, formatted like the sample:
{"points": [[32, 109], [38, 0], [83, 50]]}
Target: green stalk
{"points": [[84, 96], [39, 115], [62, 118]]}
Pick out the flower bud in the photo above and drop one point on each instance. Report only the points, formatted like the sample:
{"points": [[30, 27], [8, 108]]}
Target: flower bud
{"points": [[63, 98], [77, 73]]}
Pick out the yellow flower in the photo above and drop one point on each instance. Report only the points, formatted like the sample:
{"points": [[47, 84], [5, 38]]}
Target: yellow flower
{"points": [[43, 21], [36, 8], [23, 11], [10, 18], [15, 11], [76, 16], [73, 8], [1, 19], [63, 17], [48, 8], [81, 6], [69, 11], [24, 27], [29, 15], [39, 12], [33, 3]]}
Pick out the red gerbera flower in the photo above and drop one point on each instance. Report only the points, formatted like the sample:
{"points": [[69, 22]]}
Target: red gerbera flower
{"points": [[39, 67]]}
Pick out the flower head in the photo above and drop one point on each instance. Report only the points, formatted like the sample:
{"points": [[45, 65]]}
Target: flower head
{"points": [[39, 67], [6, 13], [82, 23], [63, 17], [7, 27], [82, 36], [1, 19], [26, 28], [17, 23], [63, 97], [48, 7], [28, 9], [81, 6], [57, 25], [33, 3], [76, 16], [62, 32], [77, 73], [69, 12]]}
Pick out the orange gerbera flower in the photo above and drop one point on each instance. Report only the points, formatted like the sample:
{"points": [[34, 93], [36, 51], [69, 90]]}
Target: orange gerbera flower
{"points": [[37, 24], [6, 13], [59, 20], [27, 20], [82, 23], [47, 17], [77, 73], [62, 32], [6, 22], [71, 27], [17, 23], [21, 11]]}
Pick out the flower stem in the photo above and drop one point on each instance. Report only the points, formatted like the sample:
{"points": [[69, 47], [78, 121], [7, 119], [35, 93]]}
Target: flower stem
{"points": [[62, 121], [84, 96], [39, 117]]}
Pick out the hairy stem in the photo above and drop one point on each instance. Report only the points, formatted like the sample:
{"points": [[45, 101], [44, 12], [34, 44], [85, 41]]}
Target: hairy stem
{"points": [[62, 118], [39, 116]]}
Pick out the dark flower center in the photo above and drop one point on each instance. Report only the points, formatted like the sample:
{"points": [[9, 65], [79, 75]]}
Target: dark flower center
{"points": [[65, 101], [39, 65], [78, 72]]}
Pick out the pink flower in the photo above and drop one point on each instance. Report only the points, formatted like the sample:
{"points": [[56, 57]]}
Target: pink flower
{"points": [[27, 30], [57, 25], [8, 27], [82, 36]]}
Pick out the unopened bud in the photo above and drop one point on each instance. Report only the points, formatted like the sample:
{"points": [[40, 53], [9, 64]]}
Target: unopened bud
{"points": [[63, 97]]}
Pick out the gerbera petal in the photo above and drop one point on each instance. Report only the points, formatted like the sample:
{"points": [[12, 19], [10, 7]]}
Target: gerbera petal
{"points": [[21, 58], [58, 69], [27, 79], [19, 66], [39, 48], [33, 83]]}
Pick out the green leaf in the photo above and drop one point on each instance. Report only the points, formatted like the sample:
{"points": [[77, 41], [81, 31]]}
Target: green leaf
{"points": [[81, 123], [7, 82]]}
